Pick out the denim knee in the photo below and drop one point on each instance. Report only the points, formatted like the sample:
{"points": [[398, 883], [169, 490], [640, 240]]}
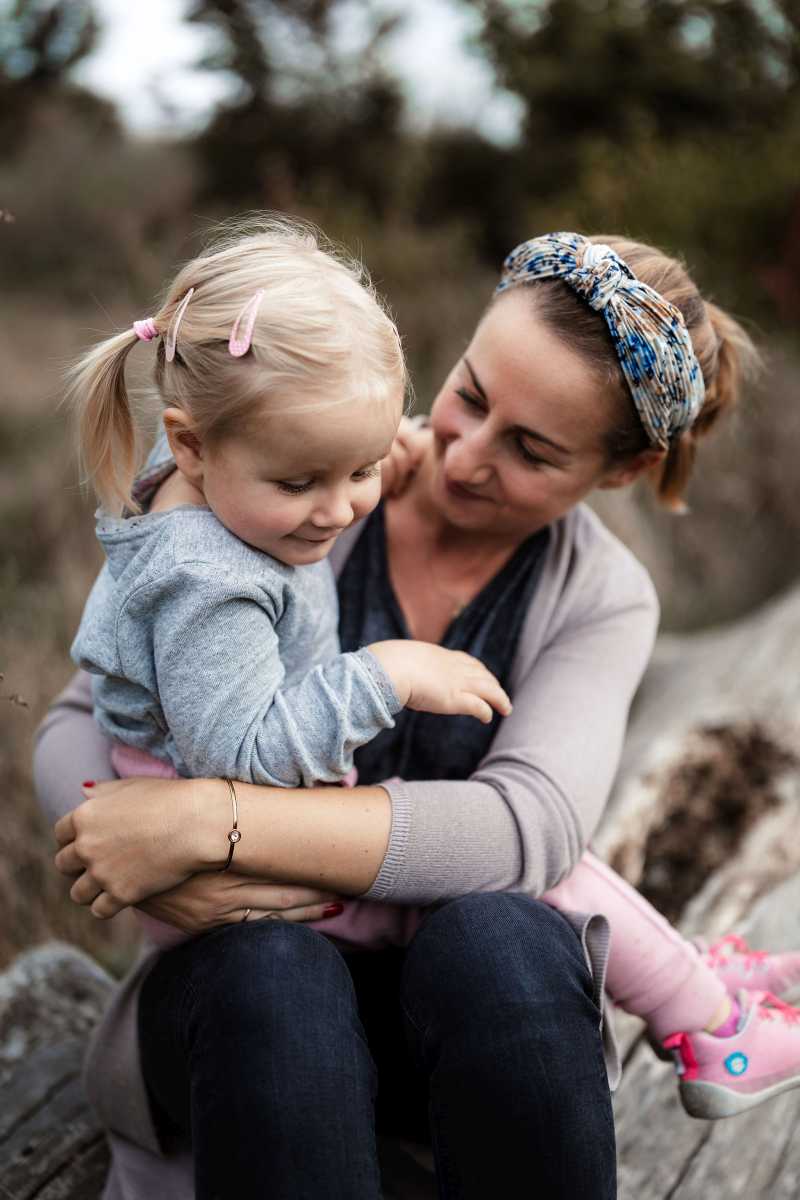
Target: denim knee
{"points": [[494, 948], [268, 976]]}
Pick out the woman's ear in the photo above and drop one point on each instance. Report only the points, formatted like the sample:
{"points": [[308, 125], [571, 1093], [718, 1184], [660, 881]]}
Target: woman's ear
{"points": [[625, 472], [186, 446]]}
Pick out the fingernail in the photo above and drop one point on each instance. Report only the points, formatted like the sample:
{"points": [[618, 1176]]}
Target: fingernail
{"points": [[88, 783], [332, 910]]}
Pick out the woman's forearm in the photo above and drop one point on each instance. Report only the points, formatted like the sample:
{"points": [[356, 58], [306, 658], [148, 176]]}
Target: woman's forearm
{"points": [[327, 837]]}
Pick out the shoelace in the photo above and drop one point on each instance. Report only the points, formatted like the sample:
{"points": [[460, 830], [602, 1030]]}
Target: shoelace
{"points": [[770, 1006], [720, 951]]}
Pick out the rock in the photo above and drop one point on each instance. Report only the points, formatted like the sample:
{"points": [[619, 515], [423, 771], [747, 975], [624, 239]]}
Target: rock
{"points": [[51, 1147], [704, 820]]}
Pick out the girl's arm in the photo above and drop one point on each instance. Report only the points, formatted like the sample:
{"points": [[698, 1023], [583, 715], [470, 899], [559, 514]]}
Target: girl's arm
{"points": [[215, 661]]}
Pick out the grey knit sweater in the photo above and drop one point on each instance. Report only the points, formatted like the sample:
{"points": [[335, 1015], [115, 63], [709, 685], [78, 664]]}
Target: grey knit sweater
{"points": [[220, 660]]}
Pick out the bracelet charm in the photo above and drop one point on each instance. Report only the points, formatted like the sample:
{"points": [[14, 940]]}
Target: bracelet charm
{"points": [[234, 835]]}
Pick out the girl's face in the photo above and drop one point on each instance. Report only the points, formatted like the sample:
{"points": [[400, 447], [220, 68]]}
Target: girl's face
{"points": [[291, 489], [518, 428]]}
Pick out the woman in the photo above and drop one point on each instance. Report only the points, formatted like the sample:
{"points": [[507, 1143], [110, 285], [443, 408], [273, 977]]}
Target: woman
{"points": [[570, 382]]}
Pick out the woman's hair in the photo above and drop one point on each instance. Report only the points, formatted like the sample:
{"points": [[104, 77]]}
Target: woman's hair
{"points": [[724, 351], [321, 336]]}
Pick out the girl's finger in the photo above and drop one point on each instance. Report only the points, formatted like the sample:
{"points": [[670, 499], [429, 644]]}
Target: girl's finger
{"points": [[474, 706], [490, 690], [68, 862], [85, 889], [64, 829], [106, 906]]}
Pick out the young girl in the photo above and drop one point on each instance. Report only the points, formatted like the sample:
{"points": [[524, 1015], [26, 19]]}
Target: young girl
{"points": [[212, 626]]}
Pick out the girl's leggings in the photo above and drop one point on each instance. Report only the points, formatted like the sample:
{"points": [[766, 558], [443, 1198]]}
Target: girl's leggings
{"points": [[653, 972]]}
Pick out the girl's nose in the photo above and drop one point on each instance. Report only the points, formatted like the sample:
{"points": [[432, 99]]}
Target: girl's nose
{"points": [[334, 510]]}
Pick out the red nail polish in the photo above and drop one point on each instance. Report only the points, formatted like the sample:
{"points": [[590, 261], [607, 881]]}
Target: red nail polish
{"points": [[88, 783], [332, 910]]}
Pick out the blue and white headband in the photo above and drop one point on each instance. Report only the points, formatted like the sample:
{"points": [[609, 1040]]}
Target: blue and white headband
{"points": [[649, 334]]}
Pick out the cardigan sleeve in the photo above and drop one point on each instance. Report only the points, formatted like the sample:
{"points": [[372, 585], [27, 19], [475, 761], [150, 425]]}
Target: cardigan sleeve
{"points": [[70, 748], [525, 816]]}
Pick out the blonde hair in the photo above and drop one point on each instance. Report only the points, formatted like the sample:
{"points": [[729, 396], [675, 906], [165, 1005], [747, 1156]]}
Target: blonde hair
{"points": [[321, 332], [725, 352]]}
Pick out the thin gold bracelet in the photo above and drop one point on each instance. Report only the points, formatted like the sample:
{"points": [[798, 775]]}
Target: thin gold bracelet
{"points": [[234, 835]]}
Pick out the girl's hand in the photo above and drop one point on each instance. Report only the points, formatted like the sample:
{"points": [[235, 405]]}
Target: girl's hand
{"points": [[134, 838], [407, 452], [431, 679], [207, 900]]}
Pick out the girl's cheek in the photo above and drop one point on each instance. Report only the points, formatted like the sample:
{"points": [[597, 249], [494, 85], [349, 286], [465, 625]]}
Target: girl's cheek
{"points": [[367, 498]]}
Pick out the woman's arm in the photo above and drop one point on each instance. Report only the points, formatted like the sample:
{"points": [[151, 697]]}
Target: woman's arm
{"points": [[521, 821], [69, 749]]}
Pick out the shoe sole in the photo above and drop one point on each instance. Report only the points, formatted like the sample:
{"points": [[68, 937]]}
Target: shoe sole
{"points": [[712, 1102]]}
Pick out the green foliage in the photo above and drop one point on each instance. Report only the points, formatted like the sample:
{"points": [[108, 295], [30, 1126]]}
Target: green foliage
{"points": [[40, 42]]}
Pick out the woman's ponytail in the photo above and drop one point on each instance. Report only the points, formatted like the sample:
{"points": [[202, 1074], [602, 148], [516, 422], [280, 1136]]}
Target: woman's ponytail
{"points": [[728, 360], [106, 428]]}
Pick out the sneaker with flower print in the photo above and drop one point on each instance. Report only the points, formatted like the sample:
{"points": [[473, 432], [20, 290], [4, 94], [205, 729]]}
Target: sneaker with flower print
{"points": [[732, 961], [722, 1076]]}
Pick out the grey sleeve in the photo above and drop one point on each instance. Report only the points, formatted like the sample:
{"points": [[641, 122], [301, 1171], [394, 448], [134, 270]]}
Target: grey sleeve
{"points": [[221, 686], [69, 749], [523, 819]]}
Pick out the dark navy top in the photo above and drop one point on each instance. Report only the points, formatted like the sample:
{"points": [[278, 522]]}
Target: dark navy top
{"points": [[427, 745]]}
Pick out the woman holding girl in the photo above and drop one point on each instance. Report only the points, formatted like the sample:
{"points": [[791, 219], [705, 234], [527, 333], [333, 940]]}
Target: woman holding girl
{"points": [[594, 363]]}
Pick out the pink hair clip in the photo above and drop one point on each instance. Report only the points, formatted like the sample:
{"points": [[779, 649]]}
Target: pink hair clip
{"points": [[172, 333], [146, 329], [237, 345]]}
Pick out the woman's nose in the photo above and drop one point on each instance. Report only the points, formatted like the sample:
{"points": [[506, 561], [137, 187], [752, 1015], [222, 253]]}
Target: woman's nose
{"points": [[468, 460]]}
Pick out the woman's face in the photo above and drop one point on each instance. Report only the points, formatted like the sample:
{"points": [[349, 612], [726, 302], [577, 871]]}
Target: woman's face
{"points": [[518, 427]]}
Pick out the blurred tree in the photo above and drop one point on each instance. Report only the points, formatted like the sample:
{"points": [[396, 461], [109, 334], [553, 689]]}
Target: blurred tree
{"points": [[309, 112], [620, 70], [40, 42]]}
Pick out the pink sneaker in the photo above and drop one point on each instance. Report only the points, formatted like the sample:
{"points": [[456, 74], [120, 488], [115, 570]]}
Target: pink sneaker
{"points": [[732, 961], [720, 1077]]}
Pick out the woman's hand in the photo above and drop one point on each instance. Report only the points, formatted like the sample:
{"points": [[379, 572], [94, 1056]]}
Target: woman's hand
{"points": [[407, 452], [134, 838], [210, 899]]}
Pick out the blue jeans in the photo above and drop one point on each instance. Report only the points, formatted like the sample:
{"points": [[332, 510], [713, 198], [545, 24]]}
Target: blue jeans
{"points": [[280, 1057]]}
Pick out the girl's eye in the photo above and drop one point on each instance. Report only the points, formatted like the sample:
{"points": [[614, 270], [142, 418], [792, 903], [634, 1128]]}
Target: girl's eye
{"points": [[469, 398], [366, 472], [294, 489]]}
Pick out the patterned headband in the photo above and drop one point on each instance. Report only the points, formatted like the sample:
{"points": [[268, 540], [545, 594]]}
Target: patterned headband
{"points": [[649, 334]]}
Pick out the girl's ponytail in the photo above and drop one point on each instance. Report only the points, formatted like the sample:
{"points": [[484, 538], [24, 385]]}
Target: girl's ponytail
{"points": [[106, 428]]}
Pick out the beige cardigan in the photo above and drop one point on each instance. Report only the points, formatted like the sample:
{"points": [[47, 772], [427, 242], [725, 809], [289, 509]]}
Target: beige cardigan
{"points": [[519, 823]]}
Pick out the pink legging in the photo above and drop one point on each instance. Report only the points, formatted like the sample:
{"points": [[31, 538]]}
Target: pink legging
{"points": [[653, 972]]}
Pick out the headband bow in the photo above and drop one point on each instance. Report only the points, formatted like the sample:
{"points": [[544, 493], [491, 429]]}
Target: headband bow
{"points": [[649, 334]]}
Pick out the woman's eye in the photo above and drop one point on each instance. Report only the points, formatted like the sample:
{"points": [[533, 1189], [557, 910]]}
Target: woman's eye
{"points": [[293, 488], [469, 398], [533, 460]]}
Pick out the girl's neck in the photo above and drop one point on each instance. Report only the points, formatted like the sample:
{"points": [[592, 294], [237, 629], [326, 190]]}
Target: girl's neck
{"points": [[175, 491]]}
